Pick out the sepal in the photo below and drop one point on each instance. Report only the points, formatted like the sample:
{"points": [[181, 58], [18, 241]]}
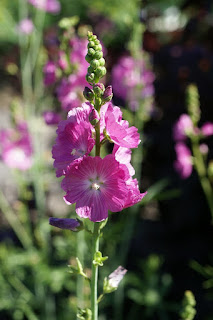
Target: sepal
{"points": [[99, 259]]}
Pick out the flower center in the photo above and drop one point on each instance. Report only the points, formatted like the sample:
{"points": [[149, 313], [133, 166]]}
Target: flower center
{"points": [[73, 152], [95, 186]]}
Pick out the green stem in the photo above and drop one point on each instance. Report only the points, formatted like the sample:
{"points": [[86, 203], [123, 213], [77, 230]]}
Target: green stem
{"points": [[80, 279], [202, 173], [94, 281]]}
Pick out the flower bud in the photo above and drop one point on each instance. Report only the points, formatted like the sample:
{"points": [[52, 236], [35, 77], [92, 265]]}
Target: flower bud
{"points": [[96, 41], [90, 77], [99, 89], [69, 224], [100, 72], [101, 62], [98, 55], [91, 52], [94, 64], [112, 282], [91, 44], [98, 47], [107, 96], [88, 58], [94, 117], [88, 94]]}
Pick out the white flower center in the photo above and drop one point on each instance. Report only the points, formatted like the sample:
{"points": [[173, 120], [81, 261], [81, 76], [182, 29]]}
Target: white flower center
{"points": [[73, 152], [95, 186]]}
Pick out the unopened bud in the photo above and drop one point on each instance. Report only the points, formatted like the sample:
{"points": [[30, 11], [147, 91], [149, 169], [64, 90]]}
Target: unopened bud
{"points": [[98, 55], [91, 52], [88, 94], [99, 89], [93, 117], [100, 72], [107, 96], [90, 77], [101, 62], [94, 64]]}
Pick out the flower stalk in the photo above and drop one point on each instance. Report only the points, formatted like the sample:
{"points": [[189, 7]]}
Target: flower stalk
{"points": [[94, 282]]}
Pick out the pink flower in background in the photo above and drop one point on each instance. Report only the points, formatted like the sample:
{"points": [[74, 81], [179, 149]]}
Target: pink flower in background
{"points": [[132, 81], [25, 26], [183, 126], [207, 129], [117, 129], [73, 141], [51, 118], [69, 94], [49, 73], [62, 61], [183, 164], [96, 185], [16, 148], [204, 149], [51, 6]]}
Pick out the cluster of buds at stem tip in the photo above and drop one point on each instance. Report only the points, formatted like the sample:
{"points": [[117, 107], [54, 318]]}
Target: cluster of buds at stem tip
{"points": [[94, 57], [193, 103]]}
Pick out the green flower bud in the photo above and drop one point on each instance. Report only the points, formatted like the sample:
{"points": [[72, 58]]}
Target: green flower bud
{"points": [[99, 89], [88, 94], [91, 52], [96, 41], [90, 69], [91, 44], [94, 64], [101, 62], [98, 55], [90, 77], [98, 47], [88, 58], [100, 72]]}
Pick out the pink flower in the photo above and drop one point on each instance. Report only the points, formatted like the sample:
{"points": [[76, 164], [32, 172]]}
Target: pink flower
{"points": [[74, 140], [69, 92], [25, 26], [16, 147], [123, 155], [112, 282], [183, 126], [183, 164], [49, 73], [131, 80], [96, 185], [207, 129], [134, 196], [62, 61], [52, 6], [51, 118], [117, 129], [80, 113]]}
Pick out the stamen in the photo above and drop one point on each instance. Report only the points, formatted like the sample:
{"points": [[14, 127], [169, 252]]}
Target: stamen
{"points": [[73, 152], [95, 186]]}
